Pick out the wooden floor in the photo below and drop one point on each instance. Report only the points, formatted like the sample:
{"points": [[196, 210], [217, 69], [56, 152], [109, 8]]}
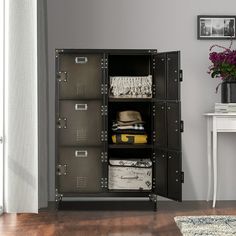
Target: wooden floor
{"points": [[109, 223]]}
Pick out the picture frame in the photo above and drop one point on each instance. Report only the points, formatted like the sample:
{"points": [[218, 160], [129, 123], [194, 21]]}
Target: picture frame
{"points": [[216, 27]]}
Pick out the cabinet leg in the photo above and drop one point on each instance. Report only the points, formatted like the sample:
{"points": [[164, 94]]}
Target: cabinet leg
{"points": [[153, 198], [155, 206]]}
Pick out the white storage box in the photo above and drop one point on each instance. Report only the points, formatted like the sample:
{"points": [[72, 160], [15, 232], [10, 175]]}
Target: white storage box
{"points": [[131, 86], [133, 174]]}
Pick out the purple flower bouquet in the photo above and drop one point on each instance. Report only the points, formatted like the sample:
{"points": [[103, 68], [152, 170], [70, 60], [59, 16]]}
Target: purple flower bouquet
{"points": [[223, 63]]}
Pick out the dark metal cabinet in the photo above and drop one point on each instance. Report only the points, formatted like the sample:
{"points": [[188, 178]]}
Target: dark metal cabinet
{"points": [[80, 169], [80, 122], [84, 115], [80, 76]]}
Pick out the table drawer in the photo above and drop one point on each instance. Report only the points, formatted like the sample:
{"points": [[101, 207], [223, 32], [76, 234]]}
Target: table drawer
{"points": [[228, 123]]}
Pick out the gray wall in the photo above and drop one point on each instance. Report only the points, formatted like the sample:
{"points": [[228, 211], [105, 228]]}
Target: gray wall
{"points": [[164, 25]]}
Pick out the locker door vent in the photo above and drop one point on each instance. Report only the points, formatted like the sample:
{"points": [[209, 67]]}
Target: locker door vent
{"points": [[81, 182]]}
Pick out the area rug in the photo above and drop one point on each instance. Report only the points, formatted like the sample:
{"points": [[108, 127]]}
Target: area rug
{"points": [[206, 225]]}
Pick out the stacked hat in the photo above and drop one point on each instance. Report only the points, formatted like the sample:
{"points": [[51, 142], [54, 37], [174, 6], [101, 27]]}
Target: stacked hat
{"points": [[129, 128]]}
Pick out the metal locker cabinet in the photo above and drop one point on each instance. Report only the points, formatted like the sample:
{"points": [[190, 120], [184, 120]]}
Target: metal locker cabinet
{"points": [[80, 122], [84, 114], [80, 76], [79, 169], [167, 120]]}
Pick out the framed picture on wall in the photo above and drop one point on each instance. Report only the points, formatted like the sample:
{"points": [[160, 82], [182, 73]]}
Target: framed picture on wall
{"points": [[216, 27]]}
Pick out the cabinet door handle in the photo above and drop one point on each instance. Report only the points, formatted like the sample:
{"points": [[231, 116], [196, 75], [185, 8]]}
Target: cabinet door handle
{"points": [[81, 153], [81, 107], [81, 60], [181, 75], [181, 126], [129, 177]]}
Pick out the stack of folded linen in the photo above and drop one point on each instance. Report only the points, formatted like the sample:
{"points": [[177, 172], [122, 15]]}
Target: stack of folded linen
{"points": [[129, 128], [131, 86]]}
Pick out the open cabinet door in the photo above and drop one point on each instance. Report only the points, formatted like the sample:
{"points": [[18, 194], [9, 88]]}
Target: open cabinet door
{"points": [[168, 125]]}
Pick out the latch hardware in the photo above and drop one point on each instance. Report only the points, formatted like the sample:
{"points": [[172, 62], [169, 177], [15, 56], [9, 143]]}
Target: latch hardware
{"points": [[62, 123], [181, 126], [182, 177], [62, 76], [61, 169], [181, 75], [58, 196]]}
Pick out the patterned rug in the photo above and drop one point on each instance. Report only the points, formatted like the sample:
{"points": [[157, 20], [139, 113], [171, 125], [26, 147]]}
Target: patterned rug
{"points": [[206, 225]]}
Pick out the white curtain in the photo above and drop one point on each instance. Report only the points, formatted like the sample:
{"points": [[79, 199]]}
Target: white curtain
{"points": [[1, 99], [42, 103], [25, 107]]}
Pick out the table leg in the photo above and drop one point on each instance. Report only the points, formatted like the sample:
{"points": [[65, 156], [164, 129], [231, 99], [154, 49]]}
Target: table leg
{"points": [[209, 157], [214, 161]]}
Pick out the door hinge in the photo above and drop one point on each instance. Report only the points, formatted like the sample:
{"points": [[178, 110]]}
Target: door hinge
{"points": [[182, 177], [62, 76], [104, 136], [181, 126], [104, 157], [104, 63], [62, 123], [154, 110], [104, 110], [62, 169], [181, 75], [104, 183], [104, 88]]}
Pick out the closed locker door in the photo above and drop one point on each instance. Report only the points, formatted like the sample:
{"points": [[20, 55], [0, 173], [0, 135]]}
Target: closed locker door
{"points": [[173, 125], [160, 124], [175, 175], [173, 75], [160, 76], [80, 122], [80, 76], [79, 169]]}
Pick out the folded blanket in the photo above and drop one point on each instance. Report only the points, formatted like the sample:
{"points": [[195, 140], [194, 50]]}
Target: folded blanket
{"points": [[130, 138], [129, 131], [116, 126]]}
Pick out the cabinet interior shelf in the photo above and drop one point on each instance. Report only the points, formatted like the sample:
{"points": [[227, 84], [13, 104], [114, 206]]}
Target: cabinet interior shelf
{"points": [[128, 191], [80, 99], [120, 146], [130, 99]]}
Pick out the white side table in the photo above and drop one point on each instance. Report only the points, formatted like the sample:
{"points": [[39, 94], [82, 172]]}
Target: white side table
{"points": [[216, 122]]}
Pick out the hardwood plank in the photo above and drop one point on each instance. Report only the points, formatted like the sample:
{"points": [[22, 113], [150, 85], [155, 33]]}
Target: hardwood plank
{"points": [[109, 223]]}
